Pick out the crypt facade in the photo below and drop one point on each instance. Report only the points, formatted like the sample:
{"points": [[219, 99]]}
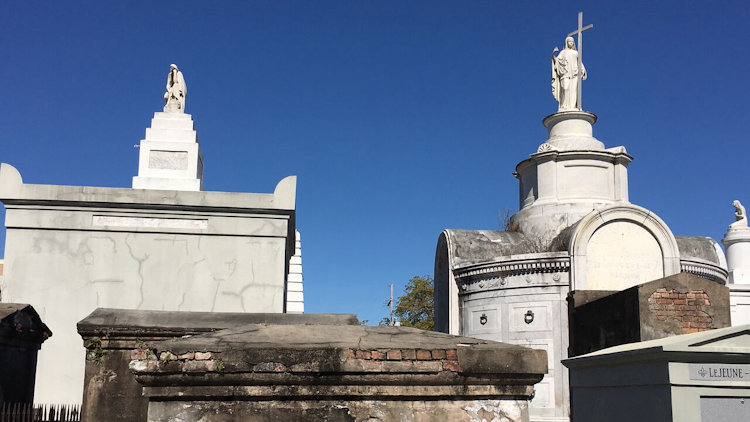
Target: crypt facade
{"points": [[576, 229]]}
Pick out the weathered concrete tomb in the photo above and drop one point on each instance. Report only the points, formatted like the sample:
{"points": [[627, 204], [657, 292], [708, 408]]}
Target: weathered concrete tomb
{"points": [[267, 372], [115, 336], [71, 249]]}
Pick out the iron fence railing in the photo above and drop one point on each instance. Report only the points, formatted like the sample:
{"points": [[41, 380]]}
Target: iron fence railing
{"points": [[27, 412]]}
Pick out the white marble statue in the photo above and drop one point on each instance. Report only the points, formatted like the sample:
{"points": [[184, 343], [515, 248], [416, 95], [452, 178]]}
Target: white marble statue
{"points": [[174, 98], [740, 215], [566, 76]]}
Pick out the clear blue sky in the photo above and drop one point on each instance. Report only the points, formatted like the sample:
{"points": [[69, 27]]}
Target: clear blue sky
{"points": [[400, 118]]}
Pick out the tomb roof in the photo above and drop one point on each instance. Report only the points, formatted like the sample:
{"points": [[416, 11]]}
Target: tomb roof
{"points": [[699, 248], [472, 246]]}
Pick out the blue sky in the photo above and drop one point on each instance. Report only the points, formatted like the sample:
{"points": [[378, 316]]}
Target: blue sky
{"points": [[400, 118]]}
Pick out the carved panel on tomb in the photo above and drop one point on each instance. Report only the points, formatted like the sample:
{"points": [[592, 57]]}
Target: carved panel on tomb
{"points": [[484, 320], [168, 160], [620, 255], [583, 179], [533, 316]]}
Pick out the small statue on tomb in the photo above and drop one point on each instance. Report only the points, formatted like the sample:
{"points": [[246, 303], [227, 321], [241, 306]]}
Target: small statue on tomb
{"points": [[566, 76], [740, 215], [174, 98]]}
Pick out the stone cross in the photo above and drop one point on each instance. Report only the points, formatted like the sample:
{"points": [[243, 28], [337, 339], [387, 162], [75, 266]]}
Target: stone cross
{"points": [[579, 32]]}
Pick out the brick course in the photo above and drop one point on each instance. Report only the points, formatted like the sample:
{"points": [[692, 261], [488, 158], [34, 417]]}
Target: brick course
{"points": [[688, 308], [448, 357]]}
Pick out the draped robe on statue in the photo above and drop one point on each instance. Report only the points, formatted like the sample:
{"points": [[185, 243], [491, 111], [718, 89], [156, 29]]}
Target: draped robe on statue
{"points": [[174, 98], [565, 79]]}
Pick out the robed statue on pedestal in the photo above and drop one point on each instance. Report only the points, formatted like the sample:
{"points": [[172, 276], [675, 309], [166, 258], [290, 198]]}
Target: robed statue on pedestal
{"points": [[567, 73], [174, 98]]}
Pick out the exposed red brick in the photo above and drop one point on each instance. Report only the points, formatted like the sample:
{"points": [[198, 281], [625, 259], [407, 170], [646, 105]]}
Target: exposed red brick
{"points": [[438, 354], [685, 308], [394, 354], [377, 355], [450, 365], [451, 354], [408, 354], [363, 354], [424, 354]]}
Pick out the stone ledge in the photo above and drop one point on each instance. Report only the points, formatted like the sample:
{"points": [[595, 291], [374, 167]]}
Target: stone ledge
{"points": [[296, 351], [302, 373], [320, 391]]}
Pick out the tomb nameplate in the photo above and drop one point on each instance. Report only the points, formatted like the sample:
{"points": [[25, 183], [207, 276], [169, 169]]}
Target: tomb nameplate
{"points": [[716, 372]]}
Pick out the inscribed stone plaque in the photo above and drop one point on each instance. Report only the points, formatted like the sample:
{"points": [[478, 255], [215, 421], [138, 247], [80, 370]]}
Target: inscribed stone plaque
{"points": [[719, 372], [149, 222], [620, 255], [168, 160]]}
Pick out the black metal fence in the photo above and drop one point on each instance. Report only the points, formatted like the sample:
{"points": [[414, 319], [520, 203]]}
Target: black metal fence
{"points": [[27, 412]]}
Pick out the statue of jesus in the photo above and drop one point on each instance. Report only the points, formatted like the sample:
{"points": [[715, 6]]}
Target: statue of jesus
{"points": [[174, 98], [566, 76]]}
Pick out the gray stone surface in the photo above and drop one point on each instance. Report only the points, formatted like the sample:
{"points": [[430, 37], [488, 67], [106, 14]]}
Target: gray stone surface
{"points": [[71, 249], [668, 379], [346, 373], [259, 342], [111, 392], [700, 248], [475, 246], [141, 322]]}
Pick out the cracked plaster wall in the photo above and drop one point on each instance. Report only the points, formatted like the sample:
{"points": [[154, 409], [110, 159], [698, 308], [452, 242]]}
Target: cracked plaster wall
{"points": [[66, 274]]}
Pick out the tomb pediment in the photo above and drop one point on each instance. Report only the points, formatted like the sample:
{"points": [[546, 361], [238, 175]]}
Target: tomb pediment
{"points": [[620, 246]]}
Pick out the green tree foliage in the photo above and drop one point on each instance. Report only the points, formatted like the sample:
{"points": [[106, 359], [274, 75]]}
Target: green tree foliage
{"points": [[416, 307]]}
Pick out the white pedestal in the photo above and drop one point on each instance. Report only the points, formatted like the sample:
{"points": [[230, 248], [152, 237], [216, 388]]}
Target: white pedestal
{"points": [[739, 304], [570, 174], [737, 244], [572, 131], [170, 157]]}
